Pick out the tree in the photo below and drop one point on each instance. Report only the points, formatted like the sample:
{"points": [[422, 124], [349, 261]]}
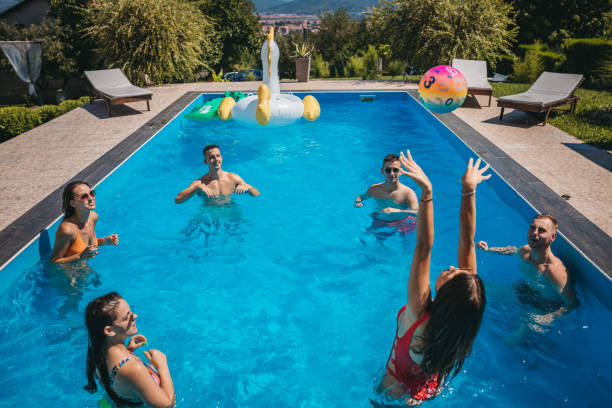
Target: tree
{"points": [[432, 32], [239, 31], [55, 62], [336, 39], [553, 21], [167, 40]]}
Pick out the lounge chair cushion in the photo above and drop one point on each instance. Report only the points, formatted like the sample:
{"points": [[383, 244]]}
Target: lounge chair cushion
{"points": [[475, 73], [114, 85], [549, 88]]}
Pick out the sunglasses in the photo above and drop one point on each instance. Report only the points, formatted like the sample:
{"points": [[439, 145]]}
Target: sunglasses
{"points": [[388, 170], [85, 196]]}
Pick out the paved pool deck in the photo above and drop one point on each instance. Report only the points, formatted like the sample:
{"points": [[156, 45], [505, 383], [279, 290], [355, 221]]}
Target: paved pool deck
{"points": [[38, 162]]}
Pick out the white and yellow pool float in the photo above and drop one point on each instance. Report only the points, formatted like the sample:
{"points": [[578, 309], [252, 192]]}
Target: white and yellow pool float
{"points": [[269, 107]]}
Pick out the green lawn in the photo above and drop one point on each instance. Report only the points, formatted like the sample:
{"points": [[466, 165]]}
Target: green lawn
{"points": [[592, 122]]}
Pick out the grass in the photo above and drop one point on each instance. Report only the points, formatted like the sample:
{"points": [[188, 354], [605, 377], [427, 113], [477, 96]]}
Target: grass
{"points": [[592, 122]]}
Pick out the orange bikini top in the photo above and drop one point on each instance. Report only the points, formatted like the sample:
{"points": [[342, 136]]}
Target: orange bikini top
{"points": [[77, 246]]}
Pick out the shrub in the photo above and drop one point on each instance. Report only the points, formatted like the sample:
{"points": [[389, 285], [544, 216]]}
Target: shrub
{"points": [[585, 56], [320, 68], [48, 112], [504, 66], [15, 120], [355, 67], [529, 68], [370, 63], [537, 46], [553, 61], [167, 40], [395, 68]]}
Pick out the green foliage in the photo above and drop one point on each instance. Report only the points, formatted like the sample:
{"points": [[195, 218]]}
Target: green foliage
{"points": [[505, 65], [384, 51], [286, 63], [320, 67], [433, 32], [167, 40], [355, 67], [585, 56], [529, 68], [337, 39], [238, 33], [370, 63], [537, 46], [604, 72], [553, 21], [395, 68], [14, 120], [217, 77], [56, 63], [552, 61]]}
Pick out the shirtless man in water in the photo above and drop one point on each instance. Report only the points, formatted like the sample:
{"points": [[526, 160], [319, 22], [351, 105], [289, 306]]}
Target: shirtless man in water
{"points": [[216, 182], [537, 253], [391, 189]]}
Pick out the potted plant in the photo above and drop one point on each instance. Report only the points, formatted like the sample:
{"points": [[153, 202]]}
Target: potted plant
{"points": [[302, 55]]}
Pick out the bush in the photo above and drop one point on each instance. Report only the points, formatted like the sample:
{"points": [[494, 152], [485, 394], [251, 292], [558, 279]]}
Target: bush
{"points": [[553, 61], [504, 66], [355, 67], [585, 56], [320, 68], [370, 63], [529, 68], [14, 120], [537, 46], [167, 40], [395, 68]]}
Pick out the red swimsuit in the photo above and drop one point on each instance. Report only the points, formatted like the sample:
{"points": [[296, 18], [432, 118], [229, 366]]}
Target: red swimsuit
{"points": [[407, 371]]}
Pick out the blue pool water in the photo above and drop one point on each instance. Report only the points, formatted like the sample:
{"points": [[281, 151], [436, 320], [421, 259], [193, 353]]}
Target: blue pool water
{"points": [[285, 300]]}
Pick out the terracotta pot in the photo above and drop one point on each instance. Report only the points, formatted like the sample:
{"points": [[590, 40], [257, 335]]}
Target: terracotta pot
{"points": [[302, 69]]}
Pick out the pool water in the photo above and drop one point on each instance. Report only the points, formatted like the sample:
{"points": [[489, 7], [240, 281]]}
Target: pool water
{"points": [[286, 300]]}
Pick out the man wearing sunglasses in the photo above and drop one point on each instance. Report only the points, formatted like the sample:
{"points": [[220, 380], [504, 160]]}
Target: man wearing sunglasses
{"points": [[217, 183], [396, 202]]}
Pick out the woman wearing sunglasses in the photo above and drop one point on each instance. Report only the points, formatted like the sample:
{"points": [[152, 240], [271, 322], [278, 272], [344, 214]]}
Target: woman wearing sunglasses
{"points": [[435, 336], [76, 236], [127, 379]]}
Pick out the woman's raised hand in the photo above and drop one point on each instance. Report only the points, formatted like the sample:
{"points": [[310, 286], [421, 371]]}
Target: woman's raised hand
{"points": [[412, 170], [473, 176], [156, 357], [136, 341]]}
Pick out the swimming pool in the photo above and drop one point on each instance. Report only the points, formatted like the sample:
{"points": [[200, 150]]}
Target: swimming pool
{"points": [[285, 299]]}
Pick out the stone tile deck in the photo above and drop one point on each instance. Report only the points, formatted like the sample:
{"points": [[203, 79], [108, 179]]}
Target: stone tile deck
{"points": [[36, 163]]}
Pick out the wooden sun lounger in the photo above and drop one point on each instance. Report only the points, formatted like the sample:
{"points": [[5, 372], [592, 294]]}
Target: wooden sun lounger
{"points": [[114, 88], [475, 73], [550, 90]]}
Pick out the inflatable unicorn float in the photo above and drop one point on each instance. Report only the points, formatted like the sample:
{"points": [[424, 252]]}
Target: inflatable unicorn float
{"points": [[269, 107]]}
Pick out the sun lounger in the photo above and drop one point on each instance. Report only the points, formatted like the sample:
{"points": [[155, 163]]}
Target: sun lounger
{"points": [[475, 73], [112, 86], [551, 89]]}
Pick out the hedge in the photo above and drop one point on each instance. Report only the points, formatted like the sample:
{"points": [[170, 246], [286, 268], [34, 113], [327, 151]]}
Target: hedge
{"points": [[14, 120], [585, 56]]}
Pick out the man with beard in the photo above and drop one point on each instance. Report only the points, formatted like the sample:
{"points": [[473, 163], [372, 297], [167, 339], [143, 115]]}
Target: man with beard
{"points": [[537, 254]]}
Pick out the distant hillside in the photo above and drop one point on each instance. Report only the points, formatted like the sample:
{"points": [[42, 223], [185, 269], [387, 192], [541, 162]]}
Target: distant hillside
{"points": [[316, 6], [261, 5]]}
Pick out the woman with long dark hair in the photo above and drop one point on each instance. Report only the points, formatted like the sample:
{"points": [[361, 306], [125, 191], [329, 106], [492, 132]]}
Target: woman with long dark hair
{"points": [[76, 236], [126, 378], [434, 336]]}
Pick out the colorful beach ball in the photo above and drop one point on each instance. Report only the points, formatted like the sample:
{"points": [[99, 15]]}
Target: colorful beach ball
{"points": [[442, 89]]}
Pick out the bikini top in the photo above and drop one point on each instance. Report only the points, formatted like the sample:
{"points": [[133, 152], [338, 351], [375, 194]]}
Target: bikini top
{"points": [[77, 246], [407, 371], [152, 370]]}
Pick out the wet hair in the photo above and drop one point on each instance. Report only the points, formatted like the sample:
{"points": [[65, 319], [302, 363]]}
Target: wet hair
{"points": [[548, 217], [390, 158], [68, 195], [100, 313], [454, 320], [210, 147]]}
